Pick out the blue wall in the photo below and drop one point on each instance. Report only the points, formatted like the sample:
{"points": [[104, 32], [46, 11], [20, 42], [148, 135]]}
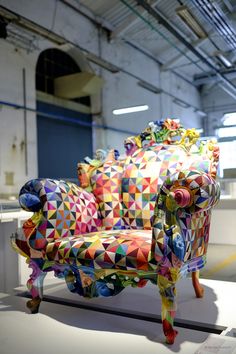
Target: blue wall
{"points": [[61, 143]]}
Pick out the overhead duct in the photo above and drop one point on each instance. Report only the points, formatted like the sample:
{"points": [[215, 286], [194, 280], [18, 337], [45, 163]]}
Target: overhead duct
{"points": [[77, 85]]}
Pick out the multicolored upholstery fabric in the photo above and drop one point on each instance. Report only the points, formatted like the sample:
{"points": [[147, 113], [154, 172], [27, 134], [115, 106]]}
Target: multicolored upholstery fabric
{"points": [[143, 175], [145, 217], [108, 249], [106, 187], [63, 209]]}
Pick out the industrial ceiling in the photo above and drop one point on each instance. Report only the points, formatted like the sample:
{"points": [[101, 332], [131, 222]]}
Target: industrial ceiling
{"points": [[194, 38]]}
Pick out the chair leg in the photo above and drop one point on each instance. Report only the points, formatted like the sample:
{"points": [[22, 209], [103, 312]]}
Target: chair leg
{"points": [[168, 293], [199, 290], [35, 286]]}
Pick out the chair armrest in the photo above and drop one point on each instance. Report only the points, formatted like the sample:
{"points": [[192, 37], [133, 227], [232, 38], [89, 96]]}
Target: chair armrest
{"points": [[182, 212], [60, 209], [192, 191]]}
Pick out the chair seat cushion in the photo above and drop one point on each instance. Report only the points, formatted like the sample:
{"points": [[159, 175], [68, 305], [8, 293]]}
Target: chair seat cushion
{"points": [[111, 249]]}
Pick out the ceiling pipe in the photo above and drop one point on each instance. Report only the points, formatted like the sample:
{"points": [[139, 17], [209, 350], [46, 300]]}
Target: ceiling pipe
{"points": [[214, 14], [210, 77], [229, 5], [40, 30], [99, 21], [175, 33]]}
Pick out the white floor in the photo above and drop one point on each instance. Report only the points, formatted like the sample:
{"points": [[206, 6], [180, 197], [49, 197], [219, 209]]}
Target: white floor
{"points": [[63, 329]]}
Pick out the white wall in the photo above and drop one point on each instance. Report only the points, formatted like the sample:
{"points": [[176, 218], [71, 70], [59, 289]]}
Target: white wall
{"points": [[120, 89], [223, 224], [216, 103], [182, 90], [12, 143]]}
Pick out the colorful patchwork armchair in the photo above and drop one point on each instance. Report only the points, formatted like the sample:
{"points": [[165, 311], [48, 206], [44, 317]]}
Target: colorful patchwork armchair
{"points": [[144, 217]]}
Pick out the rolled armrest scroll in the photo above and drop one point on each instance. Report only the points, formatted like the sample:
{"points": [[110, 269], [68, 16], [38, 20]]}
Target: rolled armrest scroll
{"points": [[61, 209], [29, 196], [193, 191]]}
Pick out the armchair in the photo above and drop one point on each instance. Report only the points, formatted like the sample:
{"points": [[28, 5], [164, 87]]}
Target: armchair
{"points": [[142, 218]]}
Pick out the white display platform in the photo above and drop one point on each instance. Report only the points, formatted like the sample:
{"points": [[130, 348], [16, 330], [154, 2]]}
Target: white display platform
{"points": [[61, 329], [64, 329], [218, 306]]}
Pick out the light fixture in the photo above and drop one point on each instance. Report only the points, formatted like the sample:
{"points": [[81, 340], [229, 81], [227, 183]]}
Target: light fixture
{"points": [[181, 103], [192, 23], [21, 21], [149, 87], [222, 59], [200, 113], [130, 109]]}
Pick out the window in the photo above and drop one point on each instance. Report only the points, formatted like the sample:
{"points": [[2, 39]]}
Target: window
{"points": [[53, 63], [229, 119], [227, 142]]}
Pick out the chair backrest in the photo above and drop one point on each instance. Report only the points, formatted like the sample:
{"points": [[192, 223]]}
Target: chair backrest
{"points": [[126, 190]]}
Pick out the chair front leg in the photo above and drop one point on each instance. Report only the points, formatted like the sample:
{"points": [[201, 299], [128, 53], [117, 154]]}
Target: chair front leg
{"points": [[168, 294], [199, 290], [35, 286]]}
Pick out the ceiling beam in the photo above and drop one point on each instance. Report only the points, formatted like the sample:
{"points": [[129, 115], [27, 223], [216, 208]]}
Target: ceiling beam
{"points": [[107, 26], [128, 22], [30, 26], [196, 43], [229, 86], [229, 6], [209, 77], [179, 56]]}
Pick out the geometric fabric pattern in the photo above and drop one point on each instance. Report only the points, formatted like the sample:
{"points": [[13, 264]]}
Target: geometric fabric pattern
{"points": [[142, 218], [120, 249], [106, 187], [126, 190], [67, 210]]}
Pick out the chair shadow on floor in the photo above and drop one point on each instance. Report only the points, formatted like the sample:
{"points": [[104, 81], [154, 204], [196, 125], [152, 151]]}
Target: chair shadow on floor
{"points": [[144, 300]]}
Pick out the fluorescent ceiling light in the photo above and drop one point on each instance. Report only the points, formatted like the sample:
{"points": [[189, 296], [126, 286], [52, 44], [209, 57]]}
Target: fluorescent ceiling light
{"points": [[223, 59], [181, 103], [31, 26], [130, 109], [200, 113], [192, 23], [149, 87]]}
